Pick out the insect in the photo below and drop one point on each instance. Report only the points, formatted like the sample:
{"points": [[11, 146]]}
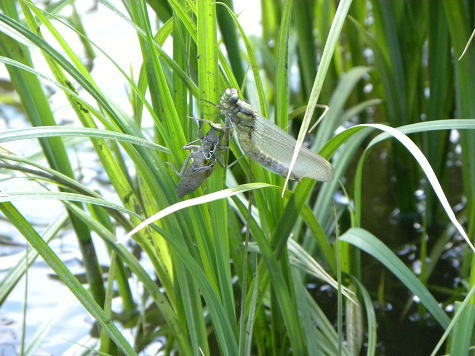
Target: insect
{"points": [[268, 145], [204, 160]]}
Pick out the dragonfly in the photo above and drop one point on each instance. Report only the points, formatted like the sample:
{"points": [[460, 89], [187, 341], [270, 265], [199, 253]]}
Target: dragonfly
{"points": [[268, 145], [203, 162]]}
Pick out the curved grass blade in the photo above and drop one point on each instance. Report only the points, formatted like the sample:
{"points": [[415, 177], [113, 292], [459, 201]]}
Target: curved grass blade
{"points": [[426, 167], [226, 193]]}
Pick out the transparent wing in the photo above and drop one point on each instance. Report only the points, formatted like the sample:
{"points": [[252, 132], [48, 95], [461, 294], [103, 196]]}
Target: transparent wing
{"points": [[278, 144]]}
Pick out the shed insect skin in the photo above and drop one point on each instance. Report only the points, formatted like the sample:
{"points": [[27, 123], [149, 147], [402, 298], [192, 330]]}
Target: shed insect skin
{"points": [[203, 162], [268, 145]]}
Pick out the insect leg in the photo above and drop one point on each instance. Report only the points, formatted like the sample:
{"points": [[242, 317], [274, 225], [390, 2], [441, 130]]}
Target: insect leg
{"points": [[183, 168]]}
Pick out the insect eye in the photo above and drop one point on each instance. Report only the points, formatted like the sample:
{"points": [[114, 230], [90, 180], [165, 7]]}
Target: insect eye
{"points": [[233, 99]]}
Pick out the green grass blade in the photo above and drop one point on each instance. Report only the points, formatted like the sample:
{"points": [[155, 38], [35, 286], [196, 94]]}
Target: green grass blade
{"points": [[462, 334], [371, 245], [372, 325], [64, 131], [228, 31], [282, 65], [461, 310], [303, 19]]}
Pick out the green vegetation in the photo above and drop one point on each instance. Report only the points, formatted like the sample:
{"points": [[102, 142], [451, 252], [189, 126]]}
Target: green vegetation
{"points": [[365, 263]]}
